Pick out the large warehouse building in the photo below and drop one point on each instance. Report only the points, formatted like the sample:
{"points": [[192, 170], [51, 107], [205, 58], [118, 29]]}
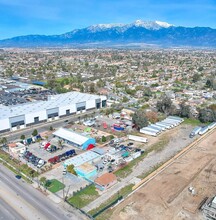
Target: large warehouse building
{"points": [[57, 106]]}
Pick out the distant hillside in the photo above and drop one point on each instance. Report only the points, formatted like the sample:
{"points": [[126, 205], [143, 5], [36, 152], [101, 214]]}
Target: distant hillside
{"points": [[147, 32]]}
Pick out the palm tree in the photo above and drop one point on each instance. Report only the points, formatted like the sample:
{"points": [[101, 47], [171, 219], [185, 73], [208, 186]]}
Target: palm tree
{"points": [[60, 144]]}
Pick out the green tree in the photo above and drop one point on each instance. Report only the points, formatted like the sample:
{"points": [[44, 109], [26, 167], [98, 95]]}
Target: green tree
{"points": [[70, 169], [22, 137], [35, 132], [60, 143], [184, 110], [103, 139], [165, 105], [43, 180], [206, 115], [139, 119]]}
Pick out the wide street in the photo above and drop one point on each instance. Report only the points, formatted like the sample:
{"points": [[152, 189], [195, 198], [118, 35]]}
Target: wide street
{"points": [[19, 200], [11, 136]]}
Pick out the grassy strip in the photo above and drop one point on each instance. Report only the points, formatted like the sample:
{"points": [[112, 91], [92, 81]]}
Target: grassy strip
{"points": [[159, 146], [193, 122], [107, 213], [24, 168], [16, 172], [84, 197]]}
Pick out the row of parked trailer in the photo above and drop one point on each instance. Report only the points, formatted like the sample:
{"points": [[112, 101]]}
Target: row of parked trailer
{"points": [[202, 130], [157, 128]]}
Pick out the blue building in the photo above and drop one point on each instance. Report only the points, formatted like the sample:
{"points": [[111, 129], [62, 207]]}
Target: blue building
{"points": [[75, 139], [86, 170]]}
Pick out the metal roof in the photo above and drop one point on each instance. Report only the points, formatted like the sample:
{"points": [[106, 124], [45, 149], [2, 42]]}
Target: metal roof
{"points": [[81, 158], [71, 136], [54, 101]]}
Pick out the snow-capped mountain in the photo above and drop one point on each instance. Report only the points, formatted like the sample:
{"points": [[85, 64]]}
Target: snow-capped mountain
{"points": [[143, 32], [150, 25]]}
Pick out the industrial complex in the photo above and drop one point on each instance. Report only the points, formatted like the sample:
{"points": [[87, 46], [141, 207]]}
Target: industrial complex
{"points": [[57, 106]]}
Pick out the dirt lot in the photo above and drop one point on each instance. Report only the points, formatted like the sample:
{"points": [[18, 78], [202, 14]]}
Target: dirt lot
{"points": [[167, 196]]}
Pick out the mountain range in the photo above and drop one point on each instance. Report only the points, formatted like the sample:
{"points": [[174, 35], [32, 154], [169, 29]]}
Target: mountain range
{"points": [[139, 32]]}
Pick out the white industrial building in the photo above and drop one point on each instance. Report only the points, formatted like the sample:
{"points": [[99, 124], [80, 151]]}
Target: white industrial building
{"points": [[57, 106]]}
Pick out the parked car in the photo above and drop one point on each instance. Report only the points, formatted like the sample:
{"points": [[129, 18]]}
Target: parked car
{"points": [[65, 171], [110, 169], [40, 163], [18, 177]]}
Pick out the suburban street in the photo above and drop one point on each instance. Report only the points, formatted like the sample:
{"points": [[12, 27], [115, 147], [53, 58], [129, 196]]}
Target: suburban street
{"points": [[19, 200]]}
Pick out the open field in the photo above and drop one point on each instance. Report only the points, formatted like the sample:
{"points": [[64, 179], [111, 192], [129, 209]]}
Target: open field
{"points": [[167, 196]]}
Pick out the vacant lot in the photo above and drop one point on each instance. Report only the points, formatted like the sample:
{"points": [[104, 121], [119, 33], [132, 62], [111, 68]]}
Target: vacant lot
{"points": [[84, 197], [167, 195]]}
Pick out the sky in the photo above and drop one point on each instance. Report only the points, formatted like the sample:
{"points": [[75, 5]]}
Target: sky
{"points": [[23, 17]]}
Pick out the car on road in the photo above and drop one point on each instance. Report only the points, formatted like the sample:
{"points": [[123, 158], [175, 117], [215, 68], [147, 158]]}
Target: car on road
{"points": [[65, 171], [18, 177]]}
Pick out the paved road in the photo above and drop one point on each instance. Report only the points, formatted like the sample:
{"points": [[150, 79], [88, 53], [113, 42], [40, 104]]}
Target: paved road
{"points": [[11, 136], [19, 200]]}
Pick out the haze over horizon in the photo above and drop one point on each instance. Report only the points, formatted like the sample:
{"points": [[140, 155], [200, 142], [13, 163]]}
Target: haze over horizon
{"points": [[49, 17]]}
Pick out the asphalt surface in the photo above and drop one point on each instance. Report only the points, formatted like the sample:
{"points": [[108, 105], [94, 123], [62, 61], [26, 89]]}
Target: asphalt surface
{"points": [[11, 136], [19, 200]]}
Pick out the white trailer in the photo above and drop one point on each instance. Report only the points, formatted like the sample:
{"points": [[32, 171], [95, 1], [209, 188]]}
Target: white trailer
{"points": [[137, 138], [175, 123], [173, 120], [163, 125], [151, 129], [160, 127], [143, 131], [176, 118], [203, 130], [156, 128], [168, 123], [212, 125]]}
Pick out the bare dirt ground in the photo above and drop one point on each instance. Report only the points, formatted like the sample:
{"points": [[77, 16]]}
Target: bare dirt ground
{"points": [[167, 195]]}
